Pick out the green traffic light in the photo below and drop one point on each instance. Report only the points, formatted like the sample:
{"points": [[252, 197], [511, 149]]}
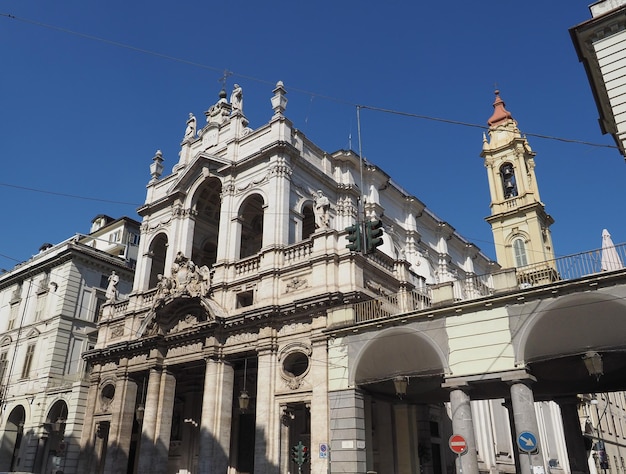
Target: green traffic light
{"points": [[354, 237], [373, 234]]}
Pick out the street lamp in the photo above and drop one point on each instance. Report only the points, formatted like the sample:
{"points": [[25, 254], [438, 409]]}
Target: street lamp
{"points": [[400, 383], [593, 363], [244, 398]]}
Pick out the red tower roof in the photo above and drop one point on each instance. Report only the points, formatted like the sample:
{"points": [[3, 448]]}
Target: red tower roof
{"points": [[500, 114]]}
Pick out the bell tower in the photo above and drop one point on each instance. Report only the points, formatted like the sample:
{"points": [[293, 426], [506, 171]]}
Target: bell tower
{"points": [[519, 222]]}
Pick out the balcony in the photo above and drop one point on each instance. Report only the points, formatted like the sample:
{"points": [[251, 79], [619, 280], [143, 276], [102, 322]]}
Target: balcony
{"points": [[570, 267]]}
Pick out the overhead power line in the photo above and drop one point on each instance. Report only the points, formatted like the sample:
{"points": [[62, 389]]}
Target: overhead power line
{"points": [[73, 196], [222, 70]]}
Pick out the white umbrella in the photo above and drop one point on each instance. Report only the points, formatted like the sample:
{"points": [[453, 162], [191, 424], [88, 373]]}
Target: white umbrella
{"points": [[610, 259]]}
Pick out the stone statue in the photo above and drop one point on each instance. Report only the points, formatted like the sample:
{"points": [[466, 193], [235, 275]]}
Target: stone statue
{"points": [[236, 98], [321, 210], [164, 288], [190, 132], [112, 293], [188, 279]]}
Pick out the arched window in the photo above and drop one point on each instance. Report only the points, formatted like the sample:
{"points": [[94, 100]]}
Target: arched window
{"points": [[158, 251], [208, 206], [251, 217], [509, 185], [519, 252], [308, 221]]}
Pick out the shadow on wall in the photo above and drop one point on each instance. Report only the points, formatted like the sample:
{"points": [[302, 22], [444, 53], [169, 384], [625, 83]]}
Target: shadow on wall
{"points": [[48, 451], [100, 457]]}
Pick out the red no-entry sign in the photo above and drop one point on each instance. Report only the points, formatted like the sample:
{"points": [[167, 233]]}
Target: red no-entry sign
{"points": [[458, 444]]}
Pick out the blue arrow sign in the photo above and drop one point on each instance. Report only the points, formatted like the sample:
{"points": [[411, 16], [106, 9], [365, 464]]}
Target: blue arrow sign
{"points": [[527, 441]]}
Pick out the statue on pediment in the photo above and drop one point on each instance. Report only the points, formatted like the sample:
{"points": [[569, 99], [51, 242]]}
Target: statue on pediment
{"points": [[188, 279], [236, 98], [190, 132]]}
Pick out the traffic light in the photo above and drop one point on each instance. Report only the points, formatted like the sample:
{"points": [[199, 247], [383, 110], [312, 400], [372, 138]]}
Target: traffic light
{"points": [[354, 237], [373, 235], [300, 454], [295, 454]]}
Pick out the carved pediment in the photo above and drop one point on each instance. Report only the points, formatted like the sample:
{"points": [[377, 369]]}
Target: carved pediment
{"points": [[202, 166], [178, 313]]}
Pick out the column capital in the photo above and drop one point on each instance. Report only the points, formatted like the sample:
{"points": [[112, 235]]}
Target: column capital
{"points": [[518, 376], [456, 384]]}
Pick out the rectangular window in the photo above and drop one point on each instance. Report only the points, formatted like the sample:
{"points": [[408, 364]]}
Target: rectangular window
{"points": [[133, 239], [40, 307], [3, 364], [15, 309], [28, 361], [99, 302], [115, 236]]}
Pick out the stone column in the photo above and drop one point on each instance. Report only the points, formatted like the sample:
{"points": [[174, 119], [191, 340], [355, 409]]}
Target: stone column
{"points": [[347, 431], [462, 424], [87, 440], [266, 443], [574, 439], [525, 418], [215, 424], [148, 428], [120, 432], [163, 430]]}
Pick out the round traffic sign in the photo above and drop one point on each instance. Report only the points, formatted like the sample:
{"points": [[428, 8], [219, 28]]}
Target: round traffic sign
{"points": [[457, 444], [527, 441]]}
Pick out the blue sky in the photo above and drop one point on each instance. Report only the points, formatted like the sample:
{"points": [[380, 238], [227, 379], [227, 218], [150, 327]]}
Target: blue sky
{"points": [[83, 117]]}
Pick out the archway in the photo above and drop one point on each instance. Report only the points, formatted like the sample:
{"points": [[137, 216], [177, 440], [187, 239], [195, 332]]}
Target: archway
{"points": [[158, 252], [12, 439], [558, 344], [251, 219], [207, 204], [400, 371]]}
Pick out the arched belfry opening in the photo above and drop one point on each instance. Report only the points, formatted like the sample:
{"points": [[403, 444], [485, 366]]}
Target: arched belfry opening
{"points": [[157, 252], [251, 221], [207, 222], [509, 186]]}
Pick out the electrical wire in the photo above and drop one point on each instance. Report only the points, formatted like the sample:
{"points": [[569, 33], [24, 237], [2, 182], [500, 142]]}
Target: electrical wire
{"points": [[337, 100]]}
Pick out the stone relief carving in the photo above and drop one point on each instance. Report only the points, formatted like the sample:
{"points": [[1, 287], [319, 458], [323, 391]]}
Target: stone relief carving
{"points": [[295, 283], [254, 183], [117, 331]]}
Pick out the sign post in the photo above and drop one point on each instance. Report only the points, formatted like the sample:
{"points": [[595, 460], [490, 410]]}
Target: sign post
{"points": [[527, 442], [458, 445]]}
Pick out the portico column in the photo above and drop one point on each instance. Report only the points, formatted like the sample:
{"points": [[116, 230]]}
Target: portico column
{"points": [[525, 418], [121, 425], [574, 439], [463, 424], [148, 429], [215, 424], [163, 431]]}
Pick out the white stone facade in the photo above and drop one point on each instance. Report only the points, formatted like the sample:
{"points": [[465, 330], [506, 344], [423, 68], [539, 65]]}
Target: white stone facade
{"points": [[49, 307]]}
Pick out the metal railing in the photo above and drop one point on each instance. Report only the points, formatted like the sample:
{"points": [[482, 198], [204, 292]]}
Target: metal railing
{"points": [[569, 267]]}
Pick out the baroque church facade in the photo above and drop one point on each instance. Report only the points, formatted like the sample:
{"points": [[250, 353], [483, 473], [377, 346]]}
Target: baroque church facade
{"points": [[218, 360], [255, 341]]}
